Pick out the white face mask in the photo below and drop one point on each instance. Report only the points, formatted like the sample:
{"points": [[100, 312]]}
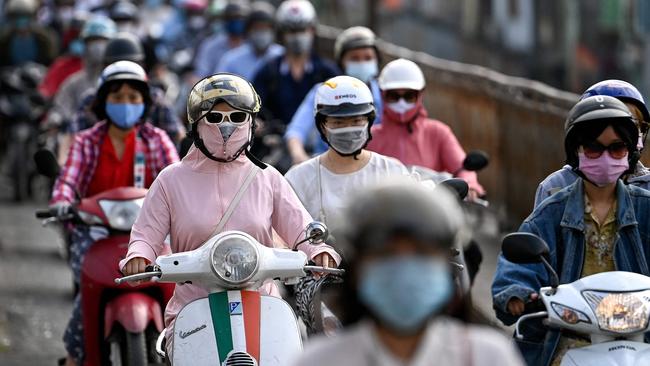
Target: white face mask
{"points": [[362, 70], [347, 140], [401, 106]]}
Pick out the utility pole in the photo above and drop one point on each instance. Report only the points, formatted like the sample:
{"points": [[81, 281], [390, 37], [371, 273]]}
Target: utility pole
{"points": [[373, 15]]}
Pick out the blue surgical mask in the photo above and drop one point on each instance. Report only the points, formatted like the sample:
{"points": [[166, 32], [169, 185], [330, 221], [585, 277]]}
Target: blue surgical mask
{"points": [[76, 47], [363, 70], [235, 27], [124, 115], [404, 292]]}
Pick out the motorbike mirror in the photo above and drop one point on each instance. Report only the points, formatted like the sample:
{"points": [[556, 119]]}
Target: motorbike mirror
{"points": [[317, 232], [46, 164], [524, 248], [476, 160], [458, 186]]}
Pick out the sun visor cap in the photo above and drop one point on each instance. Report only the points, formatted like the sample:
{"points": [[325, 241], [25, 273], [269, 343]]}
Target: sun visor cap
{"points": [[228, 88]]}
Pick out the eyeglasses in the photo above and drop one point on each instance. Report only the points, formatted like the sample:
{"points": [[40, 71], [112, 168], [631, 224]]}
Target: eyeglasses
{"points": [[410, 96], [594, 150], [233, 116]]}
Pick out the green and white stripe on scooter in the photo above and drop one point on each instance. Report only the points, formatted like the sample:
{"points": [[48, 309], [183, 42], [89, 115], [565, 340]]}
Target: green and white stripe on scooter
{"points": [[228, 320]]}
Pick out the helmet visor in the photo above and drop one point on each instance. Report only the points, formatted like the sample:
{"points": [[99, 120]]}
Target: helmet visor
{"points": [[346, 110]]}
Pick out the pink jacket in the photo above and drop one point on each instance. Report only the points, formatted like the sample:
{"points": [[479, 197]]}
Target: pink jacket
{"points": [[424, 142], [187, 201]]}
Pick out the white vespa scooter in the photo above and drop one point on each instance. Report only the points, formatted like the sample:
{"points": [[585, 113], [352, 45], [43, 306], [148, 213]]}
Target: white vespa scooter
{"points": [[235, 324], [612, 308]]}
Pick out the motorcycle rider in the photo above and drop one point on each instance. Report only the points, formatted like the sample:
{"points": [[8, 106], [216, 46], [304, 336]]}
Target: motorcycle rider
{"points": [[628, 94], [212, 49], [22, 39], [246, 59], [597, 224], [355, 51], [284, 81], [190, 198], [127, 47], [344, 113], [406, 132], [398, 282], [122, 150]]}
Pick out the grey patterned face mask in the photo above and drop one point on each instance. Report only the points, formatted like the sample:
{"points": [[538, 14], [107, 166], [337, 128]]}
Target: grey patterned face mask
{"points": [[227, 128], [347, 140]]}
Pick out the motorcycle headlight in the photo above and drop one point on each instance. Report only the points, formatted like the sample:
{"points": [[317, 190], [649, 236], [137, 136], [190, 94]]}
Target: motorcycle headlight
{"points": [[121, 214], [234, 259], [569, 315], [619, 312]]}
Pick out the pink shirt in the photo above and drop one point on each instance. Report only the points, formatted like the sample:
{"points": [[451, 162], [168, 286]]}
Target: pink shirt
{"points": [[187, 200], [424, 142]]}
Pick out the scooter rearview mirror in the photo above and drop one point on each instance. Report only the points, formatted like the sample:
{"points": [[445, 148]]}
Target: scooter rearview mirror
{"points": [[476, 160], [457, 186], [524, 248], [317, 232], [46, 163]]}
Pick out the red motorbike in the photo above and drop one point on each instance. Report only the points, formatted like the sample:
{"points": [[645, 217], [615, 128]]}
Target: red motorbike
{"points": [[121, 322]]}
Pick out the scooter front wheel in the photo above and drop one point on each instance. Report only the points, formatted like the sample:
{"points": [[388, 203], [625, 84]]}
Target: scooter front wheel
{"points": [[129, 350]]}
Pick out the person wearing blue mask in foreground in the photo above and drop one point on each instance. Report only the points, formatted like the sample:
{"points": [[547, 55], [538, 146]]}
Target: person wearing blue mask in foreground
{"points": [[398, 243]]}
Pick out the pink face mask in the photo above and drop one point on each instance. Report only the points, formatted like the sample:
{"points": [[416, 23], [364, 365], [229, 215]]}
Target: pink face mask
{"points": [[603, 170], [401, 111], [214, 141]]}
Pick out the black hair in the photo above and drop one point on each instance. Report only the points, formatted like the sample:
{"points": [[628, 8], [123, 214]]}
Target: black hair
{"points": [[99, 104], [588, 132]]}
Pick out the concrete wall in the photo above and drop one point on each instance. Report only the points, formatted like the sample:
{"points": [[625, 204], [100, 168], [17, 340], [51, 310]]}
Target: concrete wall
{"points": [[519, 122]]}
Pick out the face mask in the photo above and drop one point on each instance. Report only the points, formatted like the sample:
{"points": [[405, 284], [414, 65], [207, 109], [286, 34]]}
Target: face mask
{"points": [[364, 70], [347, 140], [76, 47], [299, 43], [218, 144], [402, 111], [124, 115], [403, 292], [227, 129], [196, 22], [235, 27], [22, 22], [94, 52], [217, 27], [261, 40], [603, 170]]}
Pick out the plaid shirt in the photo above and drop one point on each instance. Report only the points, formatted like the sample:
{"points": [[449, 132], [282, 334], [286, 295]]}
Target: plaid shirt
{"points": [[80, 166]]}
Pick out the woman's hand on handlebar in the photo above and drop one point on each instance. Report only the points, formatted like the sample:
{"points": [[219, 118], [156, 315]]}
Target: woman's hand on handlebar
{"points": [[517, 306], [134, 266]]}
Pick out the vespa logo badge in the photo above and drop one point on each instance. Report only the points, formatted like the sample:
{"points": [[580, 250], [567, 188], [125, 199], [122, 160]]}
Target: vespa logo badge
{"points": [[184, 335], [236, 308]]}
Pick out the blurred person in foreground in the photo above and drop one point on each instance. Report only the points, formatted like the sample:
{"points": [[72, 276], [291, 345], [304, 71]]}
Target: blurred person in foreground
{"points": [[398, 282], [355, 51], [408, 134], [122, 150], [22, 39], [259, 47]]}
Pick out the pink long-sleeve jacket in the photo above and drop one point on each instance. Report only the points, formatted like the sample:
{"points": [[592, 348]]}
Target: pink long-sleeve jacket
{"points": [[424, 142], [187, 200]]}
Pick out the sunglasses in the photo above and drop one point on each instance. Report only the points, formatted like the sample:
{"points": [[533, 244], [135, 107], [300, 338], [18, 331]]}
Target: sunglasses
{"points": [[410, 96], [233, 116], [594, 150]]}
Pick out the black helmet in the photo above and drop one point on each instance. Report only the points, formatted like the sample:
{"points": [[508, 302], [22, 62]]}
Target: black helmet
{"points": [[401, 207], [124, 47], [598, 109], [123, 11], [261, 11], [236, 9]]}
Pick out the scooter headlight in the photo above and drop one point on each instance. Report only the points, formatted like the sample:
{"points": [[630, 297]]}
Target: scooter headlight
{"points": [[620, 312], [121, 214], [234, 259]]}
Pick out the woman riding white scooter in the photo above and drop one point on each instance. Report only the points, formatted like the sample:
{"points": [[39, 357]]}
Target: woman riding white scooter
{"points": [[218, 186], [344, 113]]}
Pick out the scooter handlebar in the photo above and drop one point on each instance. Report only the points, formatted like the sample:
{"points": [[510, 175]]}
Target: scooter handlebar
{"points": [[44, 214], [335, 271], [138, 277]]}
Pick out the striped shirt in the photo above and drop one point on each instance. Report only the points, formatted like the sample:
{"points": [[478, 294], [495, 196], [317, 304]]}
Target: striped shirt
{"points": [[80, 166]]}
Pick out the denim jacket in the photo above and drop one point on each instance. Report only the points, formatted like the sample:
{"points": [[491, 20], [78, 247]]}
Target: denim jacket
{"points": [[559, 220]]}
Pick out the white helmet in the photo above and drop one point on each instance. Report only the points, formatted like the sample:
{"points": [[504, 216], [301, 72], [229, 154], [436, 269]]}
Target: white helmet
{"points": [[401, 74], [21, 7], [344, 96], [296, 14]]}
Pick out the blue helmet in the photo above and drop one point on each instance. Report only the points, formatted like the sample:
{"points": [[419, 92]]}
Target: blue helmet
{"points": [[99, 26], [621, 90]]}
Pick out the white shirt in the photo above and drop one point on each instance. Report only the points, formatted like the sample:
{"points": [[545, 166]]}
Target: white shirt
{"points": [[325, 201], [446, 342]]}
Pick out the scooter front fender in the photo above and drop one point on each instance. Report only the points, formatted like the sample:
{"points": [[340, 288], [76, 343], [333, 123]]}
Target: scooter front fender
{"points": [[134, 311], [616, 353]]}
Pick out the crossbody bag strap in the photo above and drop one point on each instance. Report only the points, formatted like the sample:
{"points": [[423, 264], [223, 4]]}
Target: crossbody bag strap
{"points": [[235, 201]]}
